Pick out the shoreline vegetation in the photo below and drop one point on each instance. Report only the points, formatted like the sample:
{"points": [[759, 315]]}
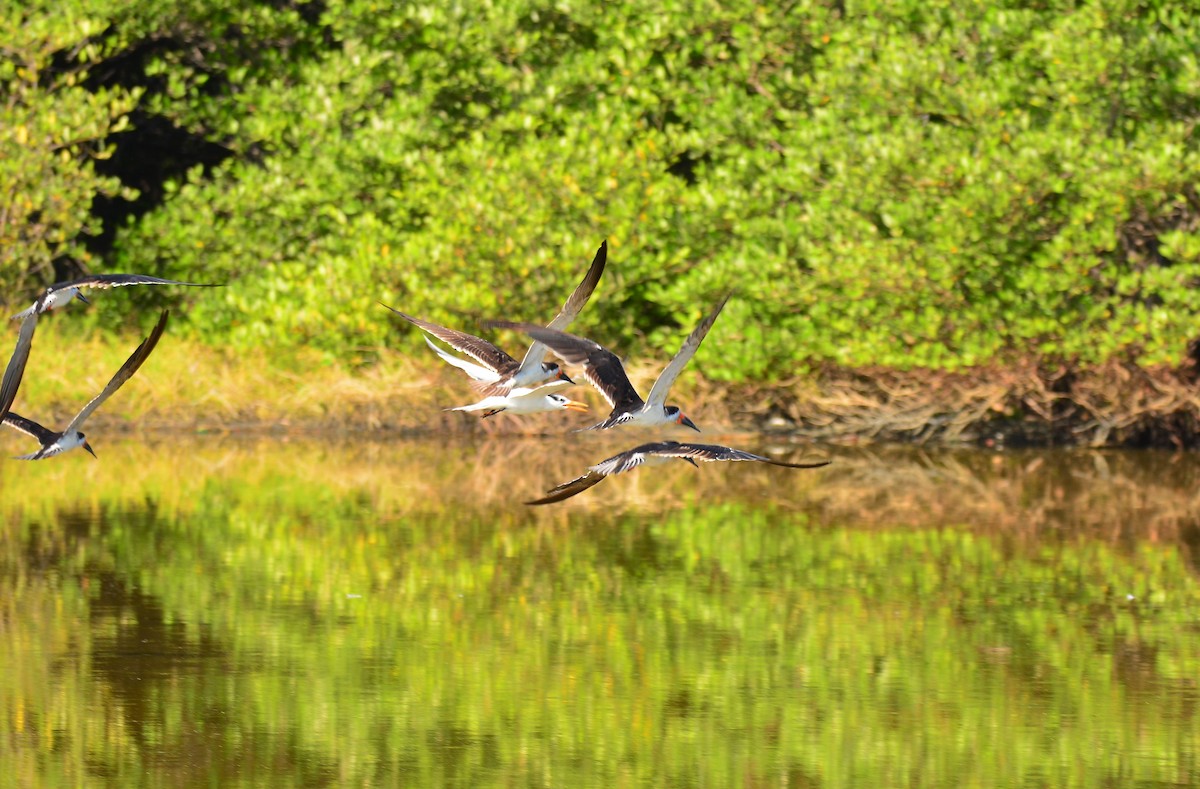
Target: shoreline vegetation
{"points": [[189, 386]]}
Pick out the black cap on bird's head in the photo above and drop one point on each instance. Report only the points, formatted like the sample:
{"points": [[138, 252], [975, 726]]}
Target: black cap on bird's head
{"points": [[567, 403], [555, 372], [85, 444], [678, 417]]}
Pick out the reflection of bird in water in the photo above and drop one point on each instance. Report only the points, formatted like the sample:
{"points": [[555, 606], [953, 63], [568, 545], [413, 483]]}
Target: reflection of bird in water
{"points": [[604, 370], [499, 376], [654, 454], [55, 443]]}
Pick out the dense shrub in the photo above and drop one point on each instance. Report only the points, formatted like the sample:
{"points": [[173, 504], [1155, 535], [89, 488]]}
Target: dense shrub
{"points": [[897, 183], [51, 131]]}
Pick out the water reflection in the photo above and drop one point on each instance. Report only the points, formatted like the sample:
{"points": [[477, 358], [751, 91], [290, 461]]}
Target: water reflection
{"points": [[311, 613]]}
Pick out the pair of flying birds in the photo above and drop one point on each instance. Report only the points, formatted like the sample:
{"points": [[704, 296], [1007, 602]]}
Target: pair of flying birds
{"points": [[56, 442], [529, 386]]}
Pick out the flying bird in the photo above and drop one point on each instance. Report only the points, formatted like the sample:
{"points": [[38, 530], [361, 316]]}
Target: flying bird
{"points": [[60, 294], [525, 401], [56, 443], [654, 454], [604, 370], [54, 297], [494, 372]]}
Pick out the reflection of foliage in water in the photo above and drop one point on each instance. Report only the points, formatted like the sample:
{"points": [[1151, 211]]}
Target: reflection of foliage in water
{"points": [[307, 615]]}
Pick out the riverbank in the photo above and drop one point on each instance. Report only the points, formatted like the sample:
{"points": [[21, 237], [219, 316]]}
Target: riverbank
{"points": [[1111, 405], [192, 387]]}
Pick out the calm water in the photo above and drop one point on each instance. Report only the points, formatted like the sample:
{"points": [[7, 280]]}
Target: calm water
{"points": [[281, 613]]}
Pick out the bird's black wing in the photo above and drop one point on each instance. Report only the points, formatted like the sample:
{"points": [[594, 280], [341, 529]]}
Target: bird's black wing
{"points": [[45, 436], [477, 348], [601, 367], [126, 372], [105, 281], [571, 309], [569, 489], [715, 453], [630, 458], [658, 392], [16, 364], [21, 424]]}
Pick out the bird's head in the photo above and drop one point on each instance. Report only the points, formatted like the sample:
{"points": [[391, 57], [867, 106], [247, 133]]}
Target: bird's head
{"points": [[555, 373], [680, 418], [85, 444], [567, 404]]}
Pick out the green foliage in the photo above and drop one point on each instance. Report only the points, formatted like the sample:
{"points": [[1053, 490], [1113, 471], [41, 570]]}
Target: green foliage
{"points": [[905, 184], [52, 129]]}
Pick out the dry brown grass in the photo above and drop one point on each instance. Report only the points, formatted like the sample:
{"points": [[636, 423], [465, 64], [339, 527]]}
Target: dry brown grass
{"points": [[1115, 404], [188, 385]]}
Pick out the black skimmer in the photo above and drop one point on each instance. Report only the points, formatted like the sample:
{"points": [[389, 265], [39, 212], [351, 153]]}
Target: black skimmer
{"points": [[497, 373], [60, 294], [603, 370], [57, 296], [56, 443], [653, 454]]}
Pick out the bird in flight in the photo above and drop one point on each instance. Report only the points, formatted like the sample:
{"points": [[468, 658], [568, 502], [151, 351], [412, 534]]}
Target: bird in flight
{"points": [[525, 401], [54, 443], [653, 454], [54, 297], [604, 370], [61, 293], [494, 372]]}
